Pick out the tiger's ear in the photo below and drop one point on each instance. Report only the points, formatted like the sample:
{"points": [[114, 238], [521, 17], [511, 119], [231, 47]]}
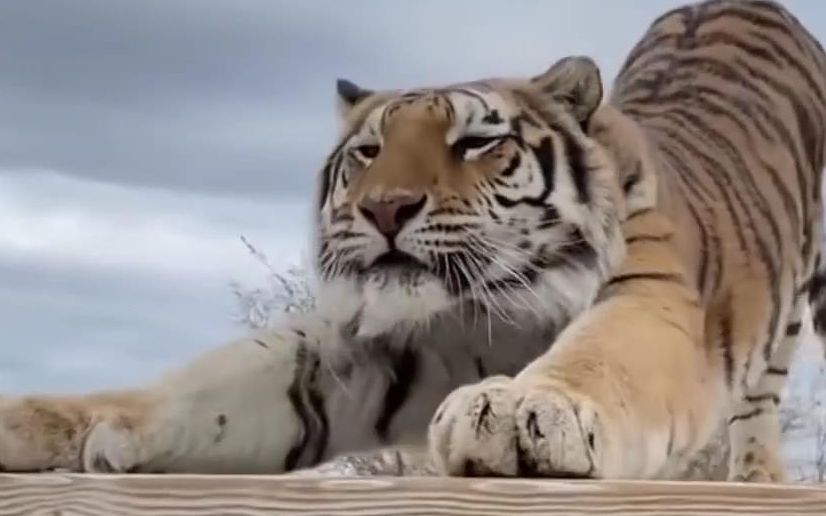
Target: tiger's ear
{"points": [[349, 95], [575, 83]]}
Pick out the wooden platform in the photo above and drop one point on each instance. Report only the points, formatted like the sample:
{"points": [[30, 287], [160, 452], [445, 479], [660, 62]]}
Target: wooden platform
{"points": [[111, 495]]}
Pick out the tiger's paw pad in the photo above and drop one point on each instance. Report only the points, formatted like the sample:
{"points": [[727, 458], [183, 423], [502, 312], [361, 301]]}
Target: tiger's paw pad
{"points": [[109, 449], [505, 428]]}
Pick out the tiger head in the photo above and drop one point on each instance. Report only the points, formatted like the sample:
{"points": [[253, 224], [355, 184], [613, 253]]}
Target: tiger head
{"points": [[486, 194]]}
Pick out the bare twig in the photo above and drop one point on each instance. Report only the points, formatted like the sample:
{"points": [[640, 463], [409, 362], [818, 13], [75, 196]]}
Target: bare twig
{"points": [[286, 292]]}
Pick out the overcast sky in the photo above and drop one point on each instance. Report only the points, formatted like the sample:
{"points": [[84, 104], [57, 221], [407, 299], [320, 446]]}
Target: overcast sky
{"points": [[140, 139]]}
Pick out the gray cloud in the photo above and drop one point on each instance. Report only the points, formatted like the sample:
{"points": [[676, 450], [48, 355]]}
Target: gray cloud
{"points": [[238, 96], [215, 95], [194, 95]]}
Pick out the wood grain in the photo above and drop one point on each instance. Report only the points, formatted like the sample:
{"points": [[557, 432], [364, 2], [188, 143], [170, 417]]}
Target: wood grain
{"points": [[110, 495]]}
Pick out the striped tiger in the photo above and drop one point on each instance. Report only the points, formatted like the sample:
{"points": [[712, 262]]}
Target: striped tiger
{"points": [[517, 278]]}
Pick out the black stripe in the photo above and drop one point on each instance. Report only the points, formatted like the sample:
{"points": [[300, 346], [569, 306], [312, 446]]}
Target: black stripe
{"points": [[761, 54], [750, 110], [819, 320], [311, 415], [578, 248], [748, 415], [513, 164], [324, 185], [632, 180], [700, 97], [575, 151], [726, 73], [329, 173], [293, 455], [792, 61], [777, 371], [762, 22], [705, 249], [647, 238], [793, 329], [480, 368], [800, 35], [687, 176], [651, 42], [806, 125], [576, 158], [639, 213], [815, 276], [550, 218], [645, 276], [505, 202], [450, 110], [717, 249], [493, 117], [816, 286], [726, 342], [405, 369], [316, 400], [703, 131], [758, 398], [811, 132], [727, 190], [469, 93], [545, 156]]}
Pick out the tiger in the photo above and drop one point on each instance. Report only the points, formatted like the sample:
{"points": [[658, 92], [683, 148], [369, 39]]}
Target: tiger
{"points": [[521, 277]]}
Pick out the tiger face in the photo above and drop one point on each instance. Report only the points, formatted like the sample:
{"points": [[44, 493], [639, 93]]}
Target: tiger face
{"points": [[487, 193]]}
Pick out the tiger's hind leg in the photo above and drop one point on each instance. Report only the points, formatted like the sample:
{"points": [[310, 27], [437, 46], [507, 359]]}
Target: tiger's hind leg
{"points": [[754, 427]]}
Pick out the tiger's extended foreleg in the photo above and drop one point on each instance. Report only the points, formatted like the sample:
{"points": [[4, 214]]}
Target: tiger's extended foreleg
{"points": [[238, 408], [628, 390]]}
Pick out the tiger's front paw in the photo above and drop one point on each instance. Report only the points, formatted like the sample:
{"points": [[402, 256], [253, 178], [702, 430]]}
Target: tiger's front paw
{"points": [[110, 449], [504, 427], [45, 433]]}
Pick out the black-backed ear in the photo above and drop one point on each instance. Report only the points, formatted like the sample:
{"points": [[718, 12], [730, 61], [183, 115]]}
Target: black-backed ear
{"points": [[349, 95], [575, 83]]}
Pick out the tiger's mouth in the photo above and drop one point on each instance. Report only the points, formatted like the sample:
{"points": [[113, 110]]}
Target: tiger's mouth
{"points": [[398, 260]]}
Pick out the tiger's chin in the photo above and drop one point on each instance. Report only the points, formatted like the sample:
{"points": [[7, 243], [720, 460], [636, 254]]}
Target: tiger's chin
{"points": [[385, 300]]}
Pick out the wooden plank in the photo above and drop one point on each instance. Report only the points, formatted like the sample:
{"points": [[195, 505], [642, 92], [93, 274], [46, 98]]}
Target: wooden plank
{"points": [[110, 495]]}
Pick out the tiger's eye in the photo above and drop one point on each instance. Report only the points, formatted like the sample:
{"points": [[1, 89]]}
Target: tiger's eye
{"points": [[471, 143], [368, 151]]}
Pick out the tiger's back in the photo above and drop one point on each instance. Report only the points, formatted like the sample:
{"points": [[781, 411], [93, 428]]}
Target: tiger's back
{"points": [[731, 99]]}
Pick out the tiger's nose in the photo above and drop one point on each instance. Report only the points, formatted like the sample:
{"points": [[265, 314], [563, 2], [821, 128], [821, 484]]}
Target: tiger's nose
{"points": [[391, 213]]}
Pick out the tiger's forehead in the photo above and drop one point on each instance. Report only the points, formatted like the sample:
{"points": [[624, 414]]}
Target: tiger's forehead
{"points": [[477, 107]]}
